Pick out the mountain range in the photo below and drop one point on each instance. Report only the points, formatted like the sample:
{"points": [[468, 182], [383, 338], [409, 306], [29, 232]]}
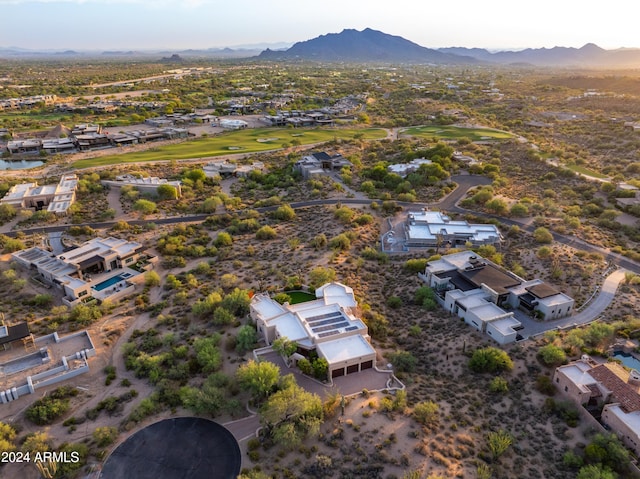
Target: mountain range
{"points": [[371, 45]]}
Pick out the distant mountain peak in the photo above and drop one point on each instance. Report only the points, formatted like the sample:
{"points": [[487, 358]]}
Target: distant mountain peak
{"points": [[367, 45]]}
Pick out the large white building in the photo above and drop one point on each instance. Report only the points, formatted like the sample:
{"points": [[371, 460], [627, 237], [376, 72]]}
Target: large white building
{"points": [[326, 325], [405, 169], [147, 184], [99, 268], [477, 290], [433, 228], [57, 198]]}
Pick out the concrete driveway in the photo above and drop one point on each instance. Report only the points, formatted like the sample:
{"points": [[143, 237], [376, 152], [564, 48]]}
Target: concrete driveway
{"points": [[591, 312]]}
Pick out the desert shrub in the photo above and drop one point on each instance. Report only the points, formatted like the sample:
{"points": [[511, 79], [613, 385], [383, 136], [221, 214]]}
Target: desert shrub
{"points": [[490, 360], [426, 412]]}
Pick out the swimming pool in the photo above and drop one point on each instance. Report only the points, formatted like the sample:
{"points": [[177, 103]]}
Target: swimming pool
{"points": [[111, 281], [627, 360]]}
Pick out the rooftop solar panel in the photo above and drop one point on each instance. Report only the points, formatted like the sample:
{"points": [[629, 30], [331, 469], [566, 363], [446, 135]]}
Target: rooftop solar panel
{"points": [[328, 333], [329, 327]]}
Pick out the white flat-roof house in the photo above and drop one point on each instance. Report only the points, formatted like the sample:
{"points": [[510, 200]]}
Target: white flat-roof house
{"points": [[610, 385], [476, 290], [99, 268], [326, 325], [147, 185], [58, 198], [433, 228], [405, 169]]}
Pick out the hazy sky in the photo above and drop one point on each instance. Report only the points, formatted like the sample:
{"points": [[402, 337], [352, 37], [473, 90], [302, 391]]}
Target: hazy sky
{"points": [[178, 24]]}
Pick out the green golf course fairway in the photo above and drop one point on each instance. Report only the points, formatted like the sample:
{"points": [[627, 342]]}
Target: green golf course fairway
{"points": [[240, 141], [449, 132]]}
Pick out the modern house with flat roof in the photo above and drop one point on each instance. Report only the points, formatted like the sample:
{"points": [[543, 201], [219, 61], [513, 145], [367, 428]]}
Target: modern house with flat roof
{"points": [[147, 185], [319, 162], [405, 169], [478, 291], [57, 198], [326, 325], [99, 268], [609, 386], [433, 228]]}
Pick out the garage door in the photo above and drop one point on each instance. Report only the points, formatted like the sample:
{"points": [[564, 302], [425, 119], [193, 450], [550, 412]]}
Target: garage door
{"points": [[352, 369], [366, 365], [336, 373]]}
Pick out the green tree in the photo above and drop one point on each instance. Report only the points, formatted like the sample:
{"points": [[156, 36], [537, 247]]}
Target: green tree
{"points": [[246, 338], [7, 212], [340, 242], [104, 436], [415, 266], [259, 378], [320, 368], [284, 346], [195, 174], [237, 302], [151, 278], [210, 398], [7, 435], [282, 298], [552, 355], [284, 213], [145, 207], [210, 205], [403, 361], [292, 414], [497, 206], [222, 316], [37, 442], [223, 239], [319, 276], [519, 210], [207, 353], [344, 214], [167, 192], [542, 235], [499, 442], [426, 297], [490, 360], [606, 448], [596, 471]]}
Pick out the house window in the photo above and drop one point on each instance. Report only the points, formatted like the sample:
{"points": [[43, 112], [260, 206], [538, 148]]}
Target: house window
{"points": [[566, 388], [129, 260], [557, 380], [82, 293]]}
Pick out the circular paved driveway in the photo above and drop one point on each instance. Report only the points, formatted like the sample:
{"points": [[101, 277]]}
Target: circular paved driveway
{"points": [[177, 448]]}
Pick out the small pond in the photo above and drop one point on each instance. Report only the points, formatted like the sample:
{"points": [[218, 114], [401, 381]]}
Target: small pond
{"points": [[20, 164]]}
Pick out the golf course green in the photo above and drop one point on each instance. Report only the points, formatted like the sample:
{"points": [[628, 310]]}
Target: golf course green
{"points": [[449, 132], [240, 141]]}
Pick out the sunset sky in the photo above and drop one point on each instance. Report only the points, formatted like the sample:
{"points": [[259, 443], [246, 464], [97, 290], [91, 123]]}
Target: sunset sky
{"points": [[180, 24]]}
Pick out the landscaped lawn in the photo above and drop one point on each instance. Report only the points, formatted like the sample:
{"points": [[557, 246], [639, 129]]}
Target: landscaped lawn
{"points": [[449, 132], [300, 296], [585, 171], [241, 141]]}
